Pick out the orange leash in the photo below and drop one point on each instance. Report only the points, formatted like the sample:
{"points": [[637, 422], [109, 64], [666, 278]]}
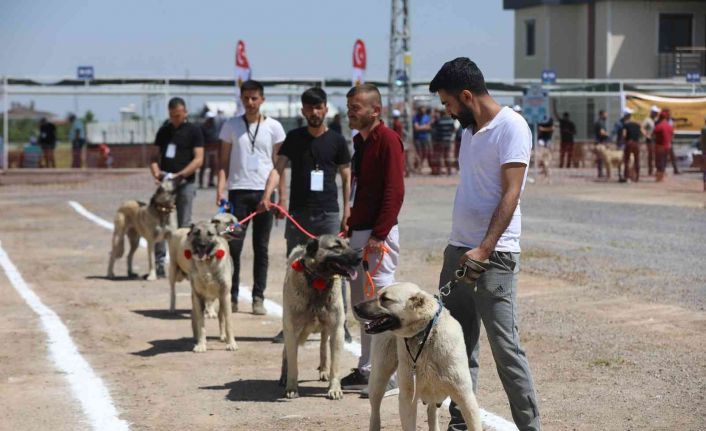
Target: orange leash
{"points": [[369, 284]]}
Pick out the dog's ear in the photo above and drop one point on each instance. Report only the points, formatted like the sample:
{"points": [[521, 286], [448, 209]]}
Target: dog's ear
{"points": [[312, 247], [417, 301]]}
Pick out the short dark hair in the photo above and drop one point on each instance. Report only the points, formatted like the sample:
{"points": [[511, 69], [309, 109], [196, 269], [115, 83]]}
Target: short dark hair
{"points": [[250, 85], [176, 101], [368, 89], [566, 114], [314, 96], [601, 112], [457, 75]]}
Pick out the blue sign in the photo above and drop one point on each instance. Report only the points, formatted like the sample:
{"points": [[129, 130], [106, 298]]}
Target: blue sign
{"points": [[535, 105], [85, 72], [548, 76], [693, 77]]}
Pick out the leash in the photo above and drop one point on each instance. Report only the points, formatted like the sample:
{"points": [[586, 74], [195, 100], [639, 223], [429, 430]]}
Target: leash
{"points": [[445, 290], [226, 204], [369, 284], [427, 332]]}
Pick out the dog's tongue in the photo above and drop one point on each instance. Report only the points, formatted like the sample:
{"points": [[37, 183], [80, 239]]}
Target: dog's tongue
{"points": [[353, 274]]}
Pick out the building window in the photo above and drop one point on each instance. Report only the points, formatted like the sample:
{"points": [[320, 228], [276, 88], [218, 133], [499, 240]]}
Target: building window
{"points": [[529, 38], [674, 31]]}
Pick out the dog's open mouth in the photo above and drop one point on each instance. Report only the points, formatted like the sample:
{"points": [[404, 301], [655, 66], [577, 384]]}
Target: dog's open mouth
{"points": [[382, 323], [343, 270]]}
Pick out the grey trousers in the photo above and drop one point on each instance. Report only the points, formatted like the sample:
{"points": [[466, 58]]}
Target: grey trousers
{"points": [[185, 194], [494, 303]]}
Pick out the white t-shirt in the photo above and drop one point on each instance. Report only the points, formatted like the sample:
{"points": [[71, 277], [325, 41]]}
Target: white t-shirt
{"points": [[250, 164], [506, 139]]}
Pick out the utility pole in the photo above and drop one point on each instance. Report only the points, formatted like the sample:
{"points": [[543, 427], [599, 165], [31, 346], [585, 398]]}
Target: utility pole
{"points": [[400, 71]]}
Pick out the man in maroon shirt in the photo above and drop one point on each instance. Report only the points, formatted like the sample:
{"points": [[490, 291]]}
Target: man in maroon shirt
{"points": [[377, 192]]}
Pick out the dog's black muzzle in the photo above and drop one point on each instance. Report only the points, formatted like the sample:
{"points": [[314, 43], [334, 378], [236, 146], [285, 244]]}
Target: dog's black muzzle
{"points": [[377, 319]]}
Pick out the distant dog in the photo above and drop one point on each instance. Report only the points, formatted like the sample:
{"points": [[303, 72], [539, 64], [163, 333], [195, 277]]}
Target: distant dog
{"points": [[313, 302], [426, 331], [543, 157], [139, 220], [211, 276], [179, 266], [611, 159]]}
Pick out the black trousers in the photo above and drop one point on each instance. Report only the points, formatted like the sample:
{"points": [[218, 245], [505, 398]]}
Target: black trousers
{"points": [[244, 203]]}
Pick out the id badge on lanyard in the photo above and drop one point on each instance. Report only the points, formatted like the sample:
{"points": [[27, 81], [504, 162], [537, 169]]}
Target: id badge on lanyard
{"points": [[317, 181], [171, 151], [252, 162]]}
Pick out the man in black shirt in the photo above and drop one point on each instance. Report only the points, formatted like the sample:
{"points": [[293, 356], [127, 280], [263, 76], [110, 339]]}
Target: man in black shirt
{"points": [[631, 136], [567, 130], [600, 135], [317, 154], [47, 140], [178, 153]]}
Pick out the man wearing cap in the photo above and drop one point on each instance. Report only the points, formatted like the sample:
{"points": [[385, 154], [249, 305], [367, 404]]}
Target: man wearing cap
{"points": [[648, 127]]}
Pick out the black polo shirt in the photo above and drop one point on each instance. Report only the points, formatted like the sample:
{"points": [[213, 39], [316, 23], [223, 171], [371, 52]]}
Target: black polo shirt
{"points": [[306, 153], [185, 137], [567, 130], [632, 131]]}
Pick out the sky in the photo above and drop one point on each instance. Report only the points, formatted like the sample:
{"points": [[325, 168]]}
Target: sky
{"points": [[284, 39]]}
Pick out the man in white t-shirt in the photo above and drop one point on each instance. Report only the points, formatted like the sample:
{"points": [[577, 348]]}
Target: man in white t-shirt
{"points": [[249, 144], [493, 160]]}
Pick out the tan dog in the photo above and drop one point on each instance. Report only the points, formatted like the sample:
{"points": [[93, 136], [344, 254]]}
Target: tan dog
{"points": [[313, 302], [426, 331], [211, 276], [139, 220], [611, 158], [179, 266]]}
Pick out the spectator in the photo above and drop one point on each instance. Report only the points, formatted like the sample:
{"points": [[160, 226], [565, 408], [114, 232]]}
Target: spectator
{"points": [[47, 140], [486, 227], [422, 139], [670, 154], [177, 154], [210, 131], [77, 137], [567, 130], [31, 156], [248, 146], [663, 142], [617, 132], [335, 124], [398, 127], [648, 127], [600, 136], [631, 136], [378, 192], [442, 133], [313, 151]]}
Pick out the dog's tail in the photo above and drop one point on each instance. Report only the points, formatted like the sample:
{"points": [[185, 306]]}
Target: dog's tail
{"points": [[119, 235]]}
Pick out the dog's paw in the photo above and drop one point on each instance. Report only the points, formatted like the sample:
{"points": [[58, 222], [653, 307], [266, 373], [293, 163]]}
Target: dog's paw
{"points": [[323, 376], [334, 393], [231, 347], [151, 276], [291, 393], [200, 348]]}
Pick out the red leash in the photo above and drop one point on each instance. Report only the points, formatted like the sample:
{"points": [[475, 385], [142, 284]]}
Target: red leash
{"points": [[283, 211]]}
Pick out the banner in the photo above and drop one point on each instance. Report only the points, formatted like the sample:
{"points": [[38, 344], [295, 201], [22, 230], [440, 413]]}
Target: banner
{"points": [[687, 112], [359, 62], [242, 74]]}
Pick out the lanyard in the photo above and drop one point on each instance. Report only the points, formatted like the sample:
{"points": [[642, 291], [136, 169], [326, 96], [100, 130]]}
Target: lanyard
{"points": [[252, 136]]}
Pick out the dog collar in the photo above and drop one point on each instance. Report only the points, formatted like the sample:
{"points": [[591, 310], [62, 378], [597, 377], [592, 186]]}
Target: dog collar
{"points": [[315, 281], [426, 331], [219, 254]]}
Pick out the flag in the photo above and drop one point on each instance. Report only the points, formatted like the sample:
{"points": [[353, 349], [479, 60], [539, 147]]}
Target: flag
{"points": [[242, 74], [359, 62]]}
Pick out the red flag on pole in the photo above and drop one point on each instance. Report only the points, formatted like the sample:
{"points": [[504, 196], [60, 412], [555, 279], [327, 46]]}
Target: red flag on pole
{"points": [[242, 74], [359, 62]]}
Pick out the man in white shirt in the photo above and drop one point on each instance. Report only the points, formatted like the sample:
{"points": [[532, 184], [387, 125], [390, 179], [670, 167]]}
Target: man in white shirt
{"points": [[249, 145], [493, 160]]}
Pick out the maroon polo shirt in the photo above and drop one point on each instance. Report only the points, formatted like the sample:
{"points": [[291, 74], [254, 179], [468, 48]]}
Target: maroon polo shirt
{"points": [[378, 171]]}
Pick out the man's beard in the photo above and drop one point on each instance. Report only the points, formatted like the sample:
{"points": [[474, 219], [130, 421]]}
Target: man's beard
{"points": [[314, 122], [465, 117]]}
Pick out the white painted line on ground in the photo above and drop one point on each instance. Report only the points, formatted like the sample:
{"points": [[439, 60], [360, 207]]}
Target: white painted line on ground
{"points": [[87, 387], [490, 421]]}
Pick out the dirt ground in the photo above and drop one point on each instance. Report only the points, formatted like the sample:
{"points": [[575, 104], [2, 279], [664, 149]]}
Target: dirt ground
{"points": [[602, 359]]}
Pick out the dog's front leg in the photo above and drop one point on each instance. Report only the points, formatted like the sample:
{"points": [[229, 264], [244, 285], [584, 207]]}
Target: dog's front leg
{"points": [[383, 364], [224, 312], [152, 275], [433, 417], [323, 369], [336, 344], [197, 322], [408, 408], [466, 401], [291, 346]]}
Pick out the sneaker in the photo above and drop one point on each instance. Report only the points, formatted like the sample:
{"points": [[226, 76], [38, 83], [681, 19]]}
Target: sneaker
{"points": [[346, 334], [279, 338], [160, 271], [354, 381], [390, 390], [258, 307], [233, 306]]}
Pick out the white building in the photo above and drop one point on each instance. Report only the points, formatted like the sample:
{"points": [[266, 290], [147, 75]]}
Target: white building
{"points": [[610, 39]]}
